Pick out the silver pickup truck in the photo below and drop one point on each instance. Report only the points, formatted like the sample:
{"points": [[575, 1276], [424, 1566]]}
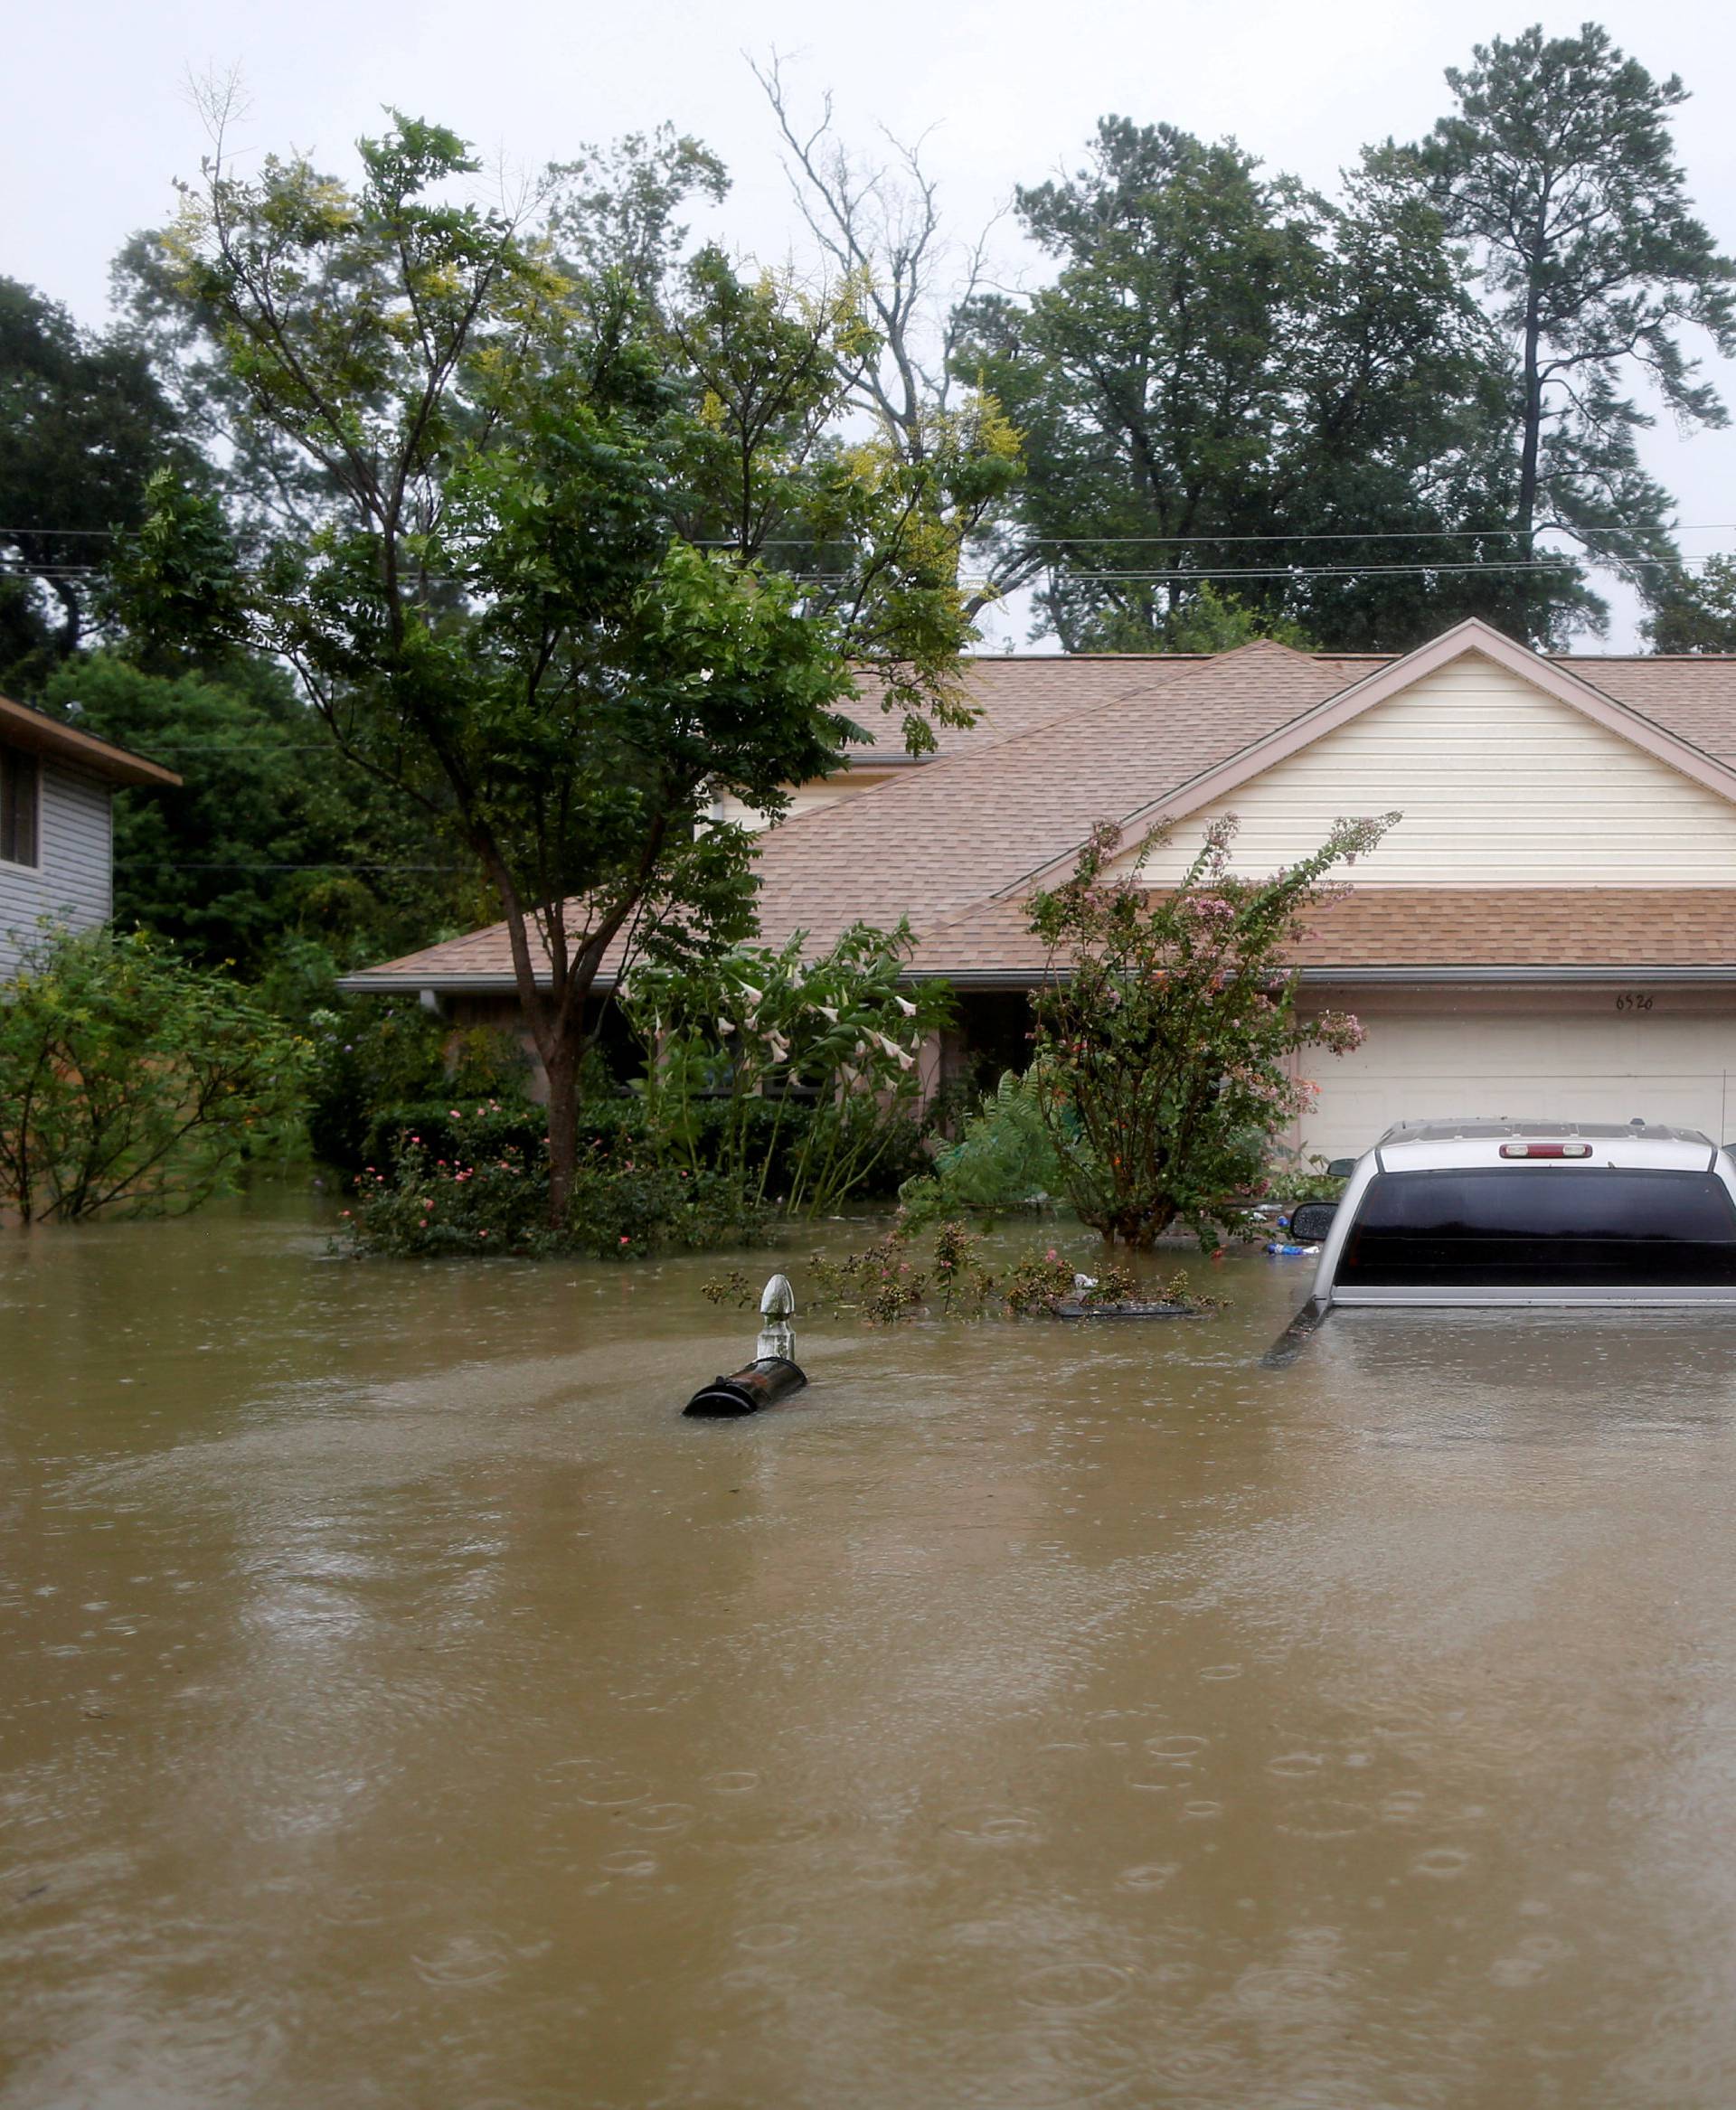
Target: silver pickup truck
{"points": [[1528, 1212]]}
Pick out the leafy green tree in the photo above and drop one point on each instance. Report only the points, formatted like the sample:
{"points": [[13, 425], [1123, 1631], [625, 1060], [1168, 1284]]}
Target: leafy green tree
{"points": [[1559, 170], [1696, 612], [500, 614], [1225, 361], [1166, 1025], [273, 856], [131, 1084], [271, 849], [83, 425]]}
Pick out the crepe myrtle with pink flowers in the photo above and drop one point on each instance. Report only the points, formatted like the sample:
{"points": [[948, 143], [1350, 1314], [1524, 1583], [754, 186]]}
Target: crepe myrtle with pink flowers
{"points": [[1168, 1030]]}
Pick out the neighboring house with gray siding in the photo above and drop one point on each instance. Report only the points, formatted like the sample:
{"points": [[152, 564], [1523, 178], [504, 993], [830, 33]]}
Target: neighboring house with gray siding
{"points": [[57, 787]]}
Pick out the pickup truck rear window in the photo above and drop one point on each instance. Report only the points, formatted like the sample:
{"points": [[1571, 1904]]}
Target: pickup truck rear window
{"points": [[1536, 1227]]}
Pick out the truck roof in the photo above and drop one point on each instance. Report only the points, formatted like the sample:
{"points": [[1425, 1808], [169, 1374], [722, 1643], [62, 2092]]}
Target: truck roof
{"points": [[1488, 1128], [1419, 1147]]}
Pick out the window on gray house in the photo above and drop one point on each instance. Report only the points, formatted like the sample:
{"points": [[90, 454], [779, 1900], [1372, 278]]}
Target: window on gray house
{"points": [[18, 803]]}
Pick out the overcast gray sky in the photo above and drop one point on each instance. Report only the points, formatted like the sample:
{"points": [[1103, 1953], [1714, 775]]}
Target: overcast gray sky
{"points": [[99, 120]]}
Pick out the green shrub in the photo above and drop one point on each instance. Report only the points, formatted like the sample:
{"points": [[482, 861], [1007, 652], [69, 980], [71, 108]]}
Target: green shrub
{"points": [[800, 1079], [133, 1084], [1167, 1028], [451, 1128], [778, 1135], [1290, 1181], [496, 1201], [1004, 1160], [379, 1063]]}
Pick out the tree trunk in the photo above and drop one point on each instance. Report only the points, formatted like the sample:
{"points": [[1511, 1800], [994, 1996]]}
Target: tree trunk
{"points": [[561, 1067], [1531, 436], [556, 1020], [1531, 441]]}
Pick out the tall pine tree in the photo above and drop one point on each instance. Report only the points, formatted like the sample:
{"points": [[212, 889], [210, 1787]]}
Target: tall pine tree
{"points": [[1558, 171]]}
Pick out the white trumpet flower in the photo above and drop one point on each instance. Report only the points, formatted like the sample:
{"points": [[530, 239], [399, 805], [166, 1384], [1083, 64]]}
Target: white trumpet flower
{"points": [[908, 1008]]}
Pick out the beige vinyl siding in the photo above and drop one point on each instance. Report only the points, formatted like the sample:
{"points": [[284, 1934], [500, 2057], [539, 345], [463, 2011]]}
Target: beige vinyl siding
{"points": [[1499, 784], [807, 798], [72, 882], [1534, 1054]]}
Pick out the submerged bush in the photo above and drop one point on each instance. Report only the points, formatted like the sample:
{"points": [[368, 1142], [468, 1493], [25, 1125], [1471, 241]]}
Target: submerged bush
{"points": [[1290, 1179], [450, 1127], [890, 1280], [621, 1206], [132, 1084]]}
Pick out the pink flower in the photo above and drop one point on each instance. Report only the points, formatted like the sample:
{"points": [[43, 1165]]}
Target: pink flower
{"points": [[625, 1239]]}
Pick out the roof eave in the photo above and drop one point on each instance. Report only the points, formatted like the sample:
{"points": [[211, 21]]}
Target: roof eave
{"points": [[43, 735], [1423, 976], [446, 983]]}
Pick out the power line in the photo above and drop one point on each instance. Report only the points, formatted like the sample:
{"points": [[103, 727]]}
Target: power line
{"points": [[1322, 571], [1336, 535], [1180, 576], [1370, 535]]}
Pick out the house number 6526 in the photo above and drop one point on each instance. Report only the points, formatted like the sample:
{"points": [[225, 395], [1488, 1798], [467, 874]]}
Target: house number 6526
{"points": [[1632, 1003]]}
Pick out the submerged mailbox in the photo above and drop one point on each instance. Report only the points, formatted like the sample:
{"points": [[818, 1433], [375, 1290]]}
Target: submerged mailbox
{"points": [[772, 1375]]}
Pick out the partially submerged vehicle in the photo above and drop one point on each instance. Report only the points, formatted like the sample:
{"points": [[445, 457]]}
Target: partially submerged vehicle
{"points": [[1502, 1212]]}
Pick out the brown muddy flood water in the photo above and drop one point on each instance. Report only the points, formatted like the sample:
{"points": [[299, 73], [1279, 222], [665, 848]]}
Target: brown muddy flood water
{"points": [[403, 1706]]}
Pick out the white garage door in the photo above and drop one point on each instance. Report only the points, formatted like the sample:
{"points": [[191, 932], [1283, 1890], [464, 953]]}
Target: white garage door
{"points": [[1591, 1065]]}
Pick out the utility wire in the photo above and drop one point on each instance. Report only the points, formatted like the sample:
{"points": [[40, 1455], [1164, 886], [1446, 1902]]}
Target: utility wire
{"points": [[1099, 542], [1183, 576]]}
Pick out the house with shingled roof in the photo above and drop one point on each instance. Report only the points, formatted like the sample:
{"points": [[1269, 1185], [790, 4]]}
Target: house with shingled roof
{"points": [[1549, 930]]}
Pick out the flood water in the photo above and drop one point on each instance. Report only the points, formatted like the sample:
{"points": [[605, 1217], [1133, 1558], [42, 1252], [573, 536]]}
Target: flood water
{"points": [[403, 1706]]}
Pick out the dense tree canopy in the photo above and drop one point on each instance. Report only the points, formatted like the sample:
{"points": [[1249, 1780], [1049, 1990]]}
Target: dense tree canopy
{"points": [[273, 855], [1225, 370], [1558, 169], [1696, 612], [84, 423]]}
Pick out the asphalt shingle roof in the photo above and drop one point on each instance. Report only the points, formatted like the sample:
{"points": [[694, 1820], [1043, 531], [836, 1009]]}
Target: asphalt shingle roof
{"points": [[1421, 927], [1067, 742]]}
